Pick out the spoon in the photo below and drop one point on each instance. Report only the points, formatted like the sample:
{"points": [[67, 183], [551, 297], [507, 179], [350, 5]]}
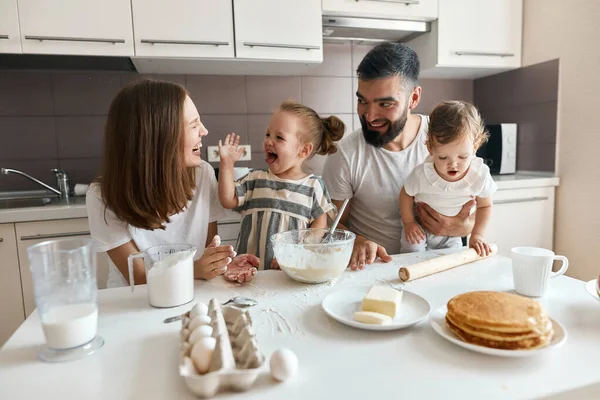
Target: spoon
{"points": [[238, 301], [329, 235]]}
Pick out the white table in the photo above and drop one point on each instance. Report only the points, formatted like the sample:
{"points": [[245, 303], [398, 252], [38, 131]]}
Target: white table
{"points": [[140, 357]]}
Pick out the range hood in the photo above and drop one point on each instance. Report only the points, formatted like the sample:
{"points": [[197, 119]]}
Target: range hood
{"points": [[371, 29]]}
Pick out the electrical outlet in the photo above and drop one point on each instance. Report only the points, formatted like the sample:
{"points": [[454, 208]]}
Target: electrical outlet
{"points": [[213, 153], [246, 155]]}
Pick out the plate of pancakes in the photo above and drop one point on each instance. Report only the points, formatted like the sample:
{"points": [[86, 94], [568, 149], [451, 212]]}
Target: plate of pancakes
{"points": [[498, 323], [593, 288]]}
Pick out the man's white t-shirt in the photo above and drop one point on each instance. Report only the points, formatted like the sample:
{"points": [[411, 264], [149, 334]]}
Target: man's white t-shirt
{"points": [[373, 177], [188, 226], [448, 198]]}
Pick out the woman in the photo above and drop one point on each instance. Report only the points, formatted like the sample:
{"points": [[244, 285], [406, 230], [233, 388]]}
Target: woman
{"points": [[155, 189]]}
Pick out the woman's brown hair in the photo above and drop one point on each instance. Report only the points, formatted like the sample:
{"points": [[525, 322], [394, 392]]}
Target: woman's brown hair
{"points": [[321, 132], [143, 176], [452, 120]]}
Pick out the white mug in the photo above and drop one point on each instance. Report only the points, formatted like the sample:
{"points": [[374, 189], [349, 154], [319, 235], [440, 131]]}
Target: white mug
{"points": [[532, 267]]}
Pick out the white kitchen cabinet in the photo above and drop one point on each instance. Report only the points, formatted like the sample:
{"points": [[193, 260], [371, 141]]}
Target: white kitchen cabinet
{"points": [[229, 232], [10, 36], [76, 27], [30, 233], [278, 30], [417, 10], [522, 217], [183, 28], [472, 38], [12, 313]]}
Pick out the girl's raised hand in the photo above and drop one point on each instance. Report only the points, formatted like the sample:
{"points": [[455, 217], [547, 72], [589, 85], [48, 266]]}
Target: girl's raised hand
{"points": [[229, 149]]}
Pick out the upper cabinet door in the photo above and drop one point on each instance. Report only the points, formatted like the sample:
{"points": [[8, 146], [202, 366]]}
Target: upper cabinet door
{"points": [[77, 27], [183, 28], [475, 33], [279, 29], [10, 38], [421, 10]]}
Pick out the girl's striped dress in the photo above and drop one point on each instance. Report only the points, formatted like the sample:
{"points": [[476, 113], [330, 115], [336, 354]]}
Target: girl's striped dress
{"points": [[270, 205]]}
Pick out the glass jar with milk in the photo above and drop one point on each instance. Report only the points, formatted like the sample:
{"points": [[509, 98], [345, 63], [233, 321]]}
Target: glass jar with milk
{"points": [[65, 288]]}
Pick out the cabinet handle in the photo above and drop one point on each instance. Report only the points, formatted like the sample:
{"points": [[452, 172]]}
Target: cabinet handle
{"points": [[481, 53], [525, 200], [4, 37], [407, 2], [229, 223], [282, 46], [1, 240], [54, 235], [74, 39], [157, 41]]}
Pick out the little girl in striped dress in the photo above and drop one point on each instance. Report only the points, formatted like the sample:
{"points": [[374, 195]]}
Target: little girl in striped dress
{"points": [[281, 197]]}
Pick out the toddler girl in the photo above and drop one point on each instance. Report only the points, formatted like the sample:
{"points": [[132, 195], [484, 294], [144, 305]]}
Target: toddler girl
{"points": [[282, 197], [451, 176]]}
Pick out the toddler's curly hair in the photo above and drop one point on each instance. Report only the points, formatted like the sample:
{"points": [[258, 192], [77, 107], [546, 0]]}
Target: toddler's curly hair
{"points": [[453, 120]]}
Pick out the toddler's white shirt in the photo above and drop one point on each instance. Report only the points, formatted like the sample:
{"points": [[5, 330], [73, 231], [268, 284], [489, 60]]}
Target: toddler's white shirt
{"points": [[447, 198]]}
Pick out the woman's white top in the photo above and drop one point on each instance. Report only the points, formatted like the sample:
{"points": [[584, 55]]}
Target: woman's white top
{"points": [[448, 198], [188, 226]]}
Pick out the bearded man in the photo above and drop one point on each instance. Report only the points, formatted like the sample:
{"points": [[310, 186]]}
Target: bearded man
{"points": [[372, 163]]}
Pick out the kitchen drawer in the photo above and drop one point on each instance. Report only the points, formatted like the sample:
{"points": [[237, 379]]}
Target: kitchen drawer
{"points": [[229, 243], [522, 217], [229, 230]]}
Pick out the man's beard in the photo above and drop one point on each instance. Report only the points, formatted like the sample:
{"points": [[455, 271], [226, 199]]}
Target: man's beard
{"points": [[378, 139]]}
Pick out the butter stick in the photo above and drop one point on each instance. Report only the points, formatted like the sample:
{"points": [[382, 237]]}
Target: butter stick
{"points": [[442, 263]]}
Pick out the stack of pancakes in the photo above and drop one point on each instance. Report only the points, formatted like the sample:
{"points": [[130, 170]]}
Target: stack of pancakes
{"points": [[499, 320]]}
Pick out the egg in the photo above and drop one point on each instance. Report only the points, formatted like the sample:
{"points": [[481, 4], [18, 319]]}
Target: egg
{"points": [[202, 352], [197, 321], [185, 349], [198, 309], [185, 333], [283, 364], [188, 366], [199, 333]]}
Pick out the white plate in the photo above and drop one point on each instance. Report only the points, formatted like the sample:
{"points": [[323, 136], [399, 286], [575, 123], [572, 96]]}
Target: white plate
{"points": [[437, 319], [590, 287], [342, 304]]}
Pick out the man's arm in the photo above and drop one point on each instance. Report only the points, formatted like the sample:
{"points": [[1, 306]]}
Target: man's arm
{"points": [[365, 251], [441, 225]]}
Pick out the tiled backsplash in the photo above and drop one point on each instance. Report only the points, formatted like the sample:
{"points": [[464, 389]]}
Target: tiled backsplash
{"points": [[56, 119], [526, 96]]}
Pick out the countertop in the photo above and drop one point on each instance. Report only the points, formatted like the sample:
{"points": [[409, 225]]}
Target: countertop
{"points": [[75, 208], [140, 357]]}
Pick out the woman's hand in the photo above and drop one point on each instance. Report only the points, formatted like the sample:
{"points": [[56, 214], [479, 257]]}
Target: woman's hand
{"points": [[242, 268], [229, 149], [214, 260]]}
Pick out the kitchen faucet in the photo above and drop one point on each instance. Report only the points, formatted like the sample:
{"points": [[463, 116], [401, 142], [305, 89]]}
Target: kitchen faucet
{"points": [[62, 180]]}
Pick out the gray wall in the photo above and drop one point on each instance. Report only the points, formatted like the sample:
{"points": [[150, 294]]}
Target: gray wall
{"points": [[527, 96], [52, 119]]}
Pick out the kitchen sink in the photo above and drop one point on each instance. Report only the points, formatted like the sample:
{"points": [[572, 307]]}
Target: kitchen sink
{"points": [[25, 199], [26, 202]]}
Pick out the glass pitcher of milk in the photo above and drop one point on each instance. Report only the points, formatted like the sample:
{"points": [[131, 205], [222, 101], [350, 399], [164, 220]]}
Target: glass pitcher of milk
{"points": [[169, 274], [65, 288]]}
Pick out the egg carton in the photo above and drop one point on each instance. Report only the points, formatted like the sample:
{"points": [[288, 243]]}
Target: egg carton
{"points": [[236, 360]]}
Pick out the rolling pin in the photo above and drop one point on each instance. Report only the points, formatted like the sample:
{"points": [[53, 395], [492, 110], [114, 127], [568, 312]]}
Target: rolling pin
{"points": [[439, 264]]}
